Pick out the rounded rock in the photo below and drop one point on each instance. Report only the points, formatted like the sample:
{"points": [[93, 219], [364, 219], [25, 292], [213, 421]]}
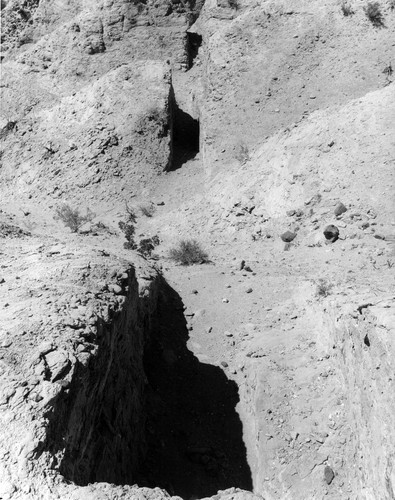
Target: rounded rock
{"points": [[288, 236], [331, 233], [340, 209], [328, 474]]}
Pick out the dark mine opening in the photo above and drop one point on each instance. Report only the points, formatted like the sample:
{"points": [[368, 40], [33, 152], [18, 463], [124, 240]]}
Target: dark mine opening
{"points": [[195, 441], [186, 137], [194, 43]]}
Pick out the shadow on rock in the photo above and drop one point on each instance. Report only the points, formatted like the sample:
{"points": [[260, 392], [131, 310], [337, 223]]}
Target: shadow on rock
{"points": [[194, 434]]}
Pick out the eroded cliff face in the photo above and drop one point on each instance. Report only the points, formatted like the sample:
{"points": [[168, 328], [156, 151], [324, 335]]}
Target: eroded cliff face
{"points": [[99, 390], [87, 90], [366, 361], [97, 432], [319, 414], [74, 403]]}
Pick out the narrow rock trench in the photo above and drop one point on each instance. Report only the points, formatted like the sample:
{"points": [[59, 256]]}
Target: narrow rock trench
{"points": [[195, 442], [144, 410], [194, 42], [186, 136]]}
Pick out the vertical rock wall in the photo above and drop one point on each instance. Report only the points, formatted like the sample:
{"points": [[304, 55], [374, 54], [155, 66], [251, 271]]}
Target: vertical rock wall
{"points": [[97, 431], [367, 353]]}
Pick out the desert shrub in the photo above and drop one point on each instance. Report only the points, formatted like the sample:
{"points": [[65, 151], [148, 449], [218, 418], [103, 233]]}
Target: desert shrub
{"points": [[11, 231], [346, 9], [324, 288], [388, 71], [374, 14], [188, 252], [72, 218], [147, 210], [241, 153], [147, 245], [128, 228], [234, 4], [9, 127]]}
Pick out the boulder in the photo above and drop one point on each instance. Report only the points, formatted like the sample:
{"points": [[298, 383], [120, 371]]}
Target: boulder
{"points": [[328, 474], [288, 236], [340, 209], [331, 233]]}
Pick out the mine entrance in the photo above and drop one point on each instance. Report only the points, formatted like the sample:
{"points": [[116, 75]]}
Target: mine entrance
{"points": [[194, 434], [186, 137]]}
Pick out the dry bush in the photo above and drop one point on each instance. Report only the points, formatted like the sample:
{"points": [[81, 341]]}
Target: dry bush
{"points": [[234, 4], [72, 218], [188, 252], [374, 14], [128, 228], [242, 153], [346, 9], [324, 288], [147, 245]]}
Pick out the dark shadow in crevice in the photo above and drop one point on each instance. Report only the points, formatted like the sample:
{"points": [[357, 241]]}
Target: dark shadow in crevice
{"points": [[194, 43], [194, 434], [186, 137]]}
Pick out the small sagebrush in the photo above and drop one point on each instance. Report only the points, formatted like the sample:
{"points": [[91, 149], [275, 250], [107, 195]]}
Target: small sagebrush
{"points": [[323, 288], [72, 218], [147, 245], [128, 228], [188, 252], [374, 14], [234, 4], [242, 153], [346, 9]]}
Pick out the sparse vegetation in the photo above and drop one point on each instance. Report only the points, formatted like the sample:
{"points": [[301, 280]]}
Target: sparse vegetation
{"points": [[241, 153], [234, 4], [392, 4], [11, 231], [72, 218], [374, 14], [147, 245], [128, 228], [346, 9], [388, 71], [324, 288], [188, 252]]}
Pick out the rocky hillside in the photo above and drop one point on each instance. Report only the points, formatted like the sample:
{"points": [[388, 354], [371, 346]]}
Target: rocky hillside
{"points": [[265, 131]]}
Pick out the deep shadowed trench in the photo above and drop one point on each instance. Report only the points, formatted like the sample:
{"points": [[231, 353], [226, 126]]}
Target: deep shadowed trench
{"points": [[195, 444], [194, 42], [144, 409], [186, 137]]}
